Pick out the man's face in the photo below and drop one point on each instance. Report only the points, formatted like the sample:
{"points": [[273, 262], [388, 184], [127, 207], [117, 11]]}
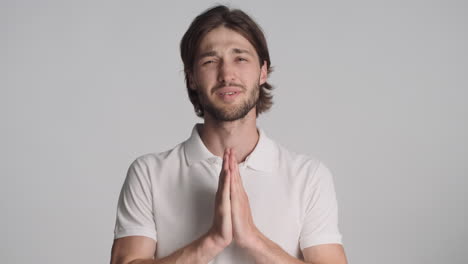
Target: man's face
{"points": [[227, 75]]}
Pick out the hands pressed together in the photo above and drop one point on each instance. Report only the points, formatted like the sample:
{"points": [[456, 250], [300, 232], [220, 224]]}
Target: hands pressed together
{"points": [[233, 221], [232, 217]]}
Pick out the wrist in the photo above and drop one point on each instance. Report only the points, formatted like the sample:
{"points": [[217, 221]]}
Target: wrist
{"points": [[257, 242], [252, 242], [213, 242]]}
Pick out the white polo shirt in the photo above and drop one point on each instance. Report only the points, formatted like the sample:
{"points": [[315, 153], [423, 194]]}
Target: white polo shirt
{"points": [[170, 197]]}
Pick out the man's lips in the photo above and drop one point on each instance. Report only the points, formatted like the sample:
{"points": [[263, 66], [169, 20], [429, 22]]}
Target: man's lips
{"points": [[228, 93], [228, 90]]}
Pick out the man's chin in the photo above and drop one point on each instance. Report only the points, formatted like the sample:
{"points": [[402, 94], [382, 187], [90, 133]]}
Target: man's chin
{"points": [[229, 111], [227, 115]]}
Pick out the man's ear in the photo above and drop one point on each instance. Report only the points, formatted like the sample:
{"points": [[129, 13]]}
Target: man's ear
{"points": [[191, 81], [263, 73]]}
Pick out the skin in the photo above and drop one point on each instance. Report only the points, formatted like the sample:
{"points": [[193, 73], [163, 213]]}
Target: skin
{"points": [[234, 141]]}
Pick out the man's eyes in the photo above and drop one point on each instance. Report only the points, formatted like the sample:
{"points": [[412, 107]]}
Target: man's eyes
{"points": [[208, 62]]}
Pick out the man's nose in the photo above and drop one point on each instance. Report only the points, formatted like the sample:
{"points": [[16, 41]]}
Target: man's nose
{"points": [[226, 73]]}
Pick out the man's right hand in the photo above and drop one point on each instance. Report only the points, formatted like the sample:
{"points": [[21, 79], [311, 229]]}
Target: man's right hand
{"points": [[139, 249], [221, 231]]}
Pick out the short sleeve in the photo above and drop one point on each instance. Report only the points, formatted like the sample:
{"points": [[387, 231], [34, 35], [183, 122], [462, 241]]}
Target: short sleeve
{"points": [[320, 224], [135, 205]]}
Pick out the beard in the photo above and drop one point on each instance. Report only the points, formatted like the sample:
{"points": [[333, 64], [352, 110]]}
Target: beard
{"points": [[231, 113]]}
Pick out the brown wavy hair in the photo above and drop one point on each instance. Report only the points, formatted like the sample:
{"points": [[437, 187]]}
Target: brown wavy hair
{"points": [[235, 20]]}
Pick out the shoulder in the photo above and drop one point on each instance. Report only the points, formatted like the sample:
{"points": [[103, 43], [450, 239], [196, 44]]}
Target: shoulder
{"points": [[307, 167], [158, 158], [154, 162], [296, 160]]}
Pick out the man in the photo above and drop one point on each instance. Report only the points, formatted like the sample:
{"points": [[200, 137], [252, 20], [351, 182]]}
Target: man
{"points": [[228, 194]]}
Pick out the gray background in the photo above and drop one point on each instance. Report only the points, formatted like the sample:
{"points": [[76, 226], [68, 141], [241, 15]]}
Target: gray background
{"points": [[375, 89]]}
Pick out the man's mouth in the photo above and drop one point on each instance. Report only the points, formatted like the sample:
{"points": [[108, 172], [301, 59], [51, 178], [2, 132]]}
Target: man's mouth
{"points": [[228, 93], [230, 90], [228, 96]]}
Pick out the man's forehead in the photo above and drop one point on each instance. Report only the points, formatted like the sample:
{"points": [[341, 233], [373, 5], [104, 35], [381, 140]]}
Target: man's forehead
{"points": [[213, 52], [224, 39]]}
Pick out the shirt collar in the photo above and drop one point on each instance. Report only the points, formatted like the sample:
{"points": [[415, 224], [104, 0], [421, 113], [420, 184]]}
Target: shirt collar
{"points": [[262, 157]]}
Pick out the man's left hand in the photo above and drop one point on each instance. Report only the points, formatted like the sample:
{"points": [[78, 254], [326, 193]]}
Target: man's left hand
{"points": [[245, 233]]}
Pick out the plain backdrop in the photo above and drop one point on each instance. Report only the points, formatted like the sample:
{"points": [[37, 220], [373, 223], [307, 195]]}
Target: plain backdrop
{"points": [[375, 89]]}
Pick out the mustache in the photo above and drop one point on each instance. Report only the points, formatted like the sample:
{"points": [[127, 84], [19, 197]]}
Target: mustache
{"points": [[222, 85]]}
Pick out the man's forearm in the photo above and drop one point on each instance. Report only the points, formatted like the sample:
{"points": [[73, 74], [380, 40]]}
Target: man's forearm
{"points": [[268, 252], [200, 251]]}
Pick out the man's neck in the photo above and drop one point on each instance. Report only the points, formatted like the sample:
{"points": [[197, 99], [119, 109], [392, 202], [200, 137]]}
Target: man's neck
{"points": [[241, 135]]}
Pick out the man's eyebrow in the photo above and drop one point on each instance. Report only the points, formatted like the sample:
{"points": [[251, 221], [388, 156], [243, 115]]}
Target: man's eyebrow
{"points": [[240, 51], [213, 53], [210, 53]]}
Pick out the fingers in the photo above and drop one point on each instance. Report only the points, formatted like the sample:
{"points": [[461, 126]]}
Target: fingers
{"points": [[225, 178], [222, 226], [234, 171], [222, 177], [227, 188], [230, 181], [226, 159], [232, 161]]}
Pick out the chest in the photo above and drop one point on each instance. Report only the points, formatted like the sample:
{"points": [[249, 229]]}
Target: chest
{"points": [[184, 205]]}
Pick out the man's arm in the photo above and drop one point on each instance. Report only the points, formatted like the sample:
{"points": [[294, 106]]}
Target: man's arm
{"points": [[140, 249], [262, 249], [324, 254], [266, 251]]}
